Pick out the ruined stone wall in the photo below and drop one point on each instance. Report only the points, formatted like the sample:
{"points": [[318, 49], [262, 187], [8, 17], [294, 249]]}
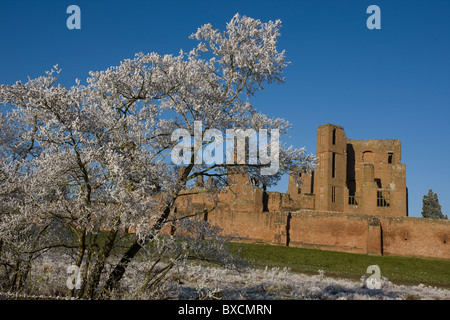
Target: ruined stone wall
{"points": [[336, 231], [354, 176], [266, 227], [329, 230], [417, 237], [376, 177]]}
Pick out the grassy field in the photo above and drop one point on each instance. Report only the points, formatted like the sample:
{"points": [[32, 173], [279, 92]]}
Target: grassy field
{"points": [[399, 270]]}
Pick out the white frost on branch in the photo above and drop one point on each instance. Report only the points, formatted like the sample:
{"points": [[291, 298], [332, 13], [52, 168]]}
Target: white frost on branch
{"points": [[94, 157]]}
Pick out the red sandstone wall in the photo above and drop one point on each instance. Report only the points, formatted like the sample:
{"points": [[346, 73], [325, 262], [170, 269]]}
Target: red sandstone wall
{"points": [[329, 231], [265, 227], [341, 232], [416, 237]]}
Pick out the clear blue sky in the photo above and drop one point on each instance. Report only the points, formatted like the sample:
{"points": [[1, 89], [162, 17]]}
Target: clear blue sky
{"points": [[388, 83]]}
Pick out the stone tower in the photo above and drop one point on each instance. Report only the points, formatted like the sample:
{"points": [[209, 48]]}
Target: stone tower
{"points": [[353, 176], [330, 177]]}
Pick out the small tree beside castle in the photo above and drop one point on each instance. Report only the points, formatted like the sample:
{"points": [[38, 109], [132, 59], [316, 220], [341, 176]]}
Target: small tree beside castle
{"points": [[431, 207]]}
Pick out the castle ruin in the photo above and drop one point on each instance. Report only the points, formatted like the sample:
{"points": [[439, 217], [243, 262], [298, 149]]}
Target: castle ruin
{"points": [[355, 200], [353, 176]]}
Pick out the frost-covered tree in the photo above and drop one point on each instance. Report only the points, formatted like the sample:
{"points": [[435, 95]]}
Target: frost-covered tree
{"points": [[82, 165], [431, 208]]}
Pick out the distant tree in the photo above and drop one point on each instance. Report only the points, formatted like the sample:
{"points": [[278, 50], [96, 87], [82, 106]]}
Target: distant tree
{"points": [[431, 207]]}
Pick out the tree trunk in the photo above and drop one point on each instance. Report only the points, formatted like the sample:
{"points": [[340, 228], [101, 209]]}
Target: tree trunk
{"points": [[116, 275], [99, 265], [81, 250], [16, 277], [85, 272]]}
